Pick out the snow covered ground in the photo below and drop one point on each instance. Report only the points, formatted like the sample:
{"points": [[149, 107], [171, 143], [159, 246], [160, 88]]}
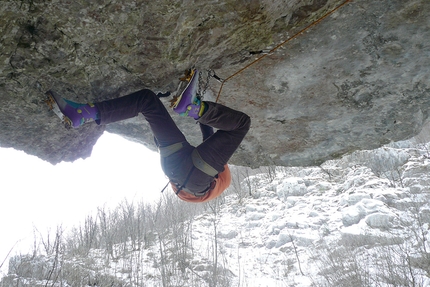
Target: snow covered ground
{"points": [[367, 199], [361, 220]]}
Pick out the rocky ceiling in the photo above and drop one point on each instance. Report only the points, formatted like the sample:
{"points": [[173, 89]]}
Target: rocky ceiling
{"points": [[357, 80]]}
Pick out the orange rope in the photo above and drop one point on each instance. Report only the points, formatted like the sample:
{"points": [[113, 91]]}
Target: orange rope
{"points": [[280, 45]]}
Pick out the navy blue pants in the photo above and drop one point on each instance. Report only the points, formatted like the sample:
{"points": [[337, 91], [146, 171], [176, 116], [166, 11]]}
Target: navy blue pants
{"points": [[216, 149]]}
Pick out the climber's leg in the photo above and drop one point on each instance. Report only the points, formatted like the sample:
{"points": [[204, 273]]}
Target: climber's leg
{"points": [[232, 127], [207, 131], [146, 102]]}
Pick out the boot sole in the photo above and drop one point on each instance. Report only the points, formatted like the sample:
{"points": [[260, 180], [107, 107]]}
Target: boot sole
{"points": [[191, 78], [53, 106]]}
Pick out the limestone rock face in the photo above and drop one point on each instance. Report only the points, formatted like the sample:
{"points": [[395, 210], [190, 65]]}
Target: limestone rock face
{"points": [[357, 80]]}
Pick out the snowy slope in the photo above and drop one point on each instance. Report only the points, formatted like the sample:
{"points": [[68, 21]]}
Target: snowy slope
{"points": [[362, 220], [365, 198]]}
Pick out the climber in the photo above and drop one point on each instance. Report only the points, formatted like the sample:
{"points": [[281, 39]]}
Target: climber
{"points": [[196, 174]]}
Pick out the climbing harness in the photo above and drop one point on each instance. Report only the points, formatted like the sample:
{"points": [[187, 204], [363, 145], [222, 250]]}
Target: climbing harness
{"points": [[197, 159], [200, 164], [266, 53], [171, 149]]}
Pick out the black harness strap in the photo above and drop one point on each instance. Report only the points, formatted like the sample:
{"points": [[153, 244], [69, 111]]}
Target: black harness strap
{"points": [[186, 180]]}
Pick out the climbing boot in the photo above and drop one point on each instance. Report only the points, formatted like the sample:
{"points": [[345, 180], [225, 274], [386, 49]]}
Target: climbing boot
{"points": [[71, 113], [189, 103]]}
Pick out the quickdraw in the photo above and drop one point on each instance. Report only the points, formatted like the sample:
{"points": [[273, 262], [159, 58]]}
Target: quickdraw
{"points": [[203, 86]]}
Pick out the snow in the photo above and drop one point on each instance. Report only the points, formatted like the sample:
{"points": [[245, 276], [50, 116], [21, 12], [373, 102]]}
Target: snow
{"points": [[28, 202], [311, 206], [295, 221]]}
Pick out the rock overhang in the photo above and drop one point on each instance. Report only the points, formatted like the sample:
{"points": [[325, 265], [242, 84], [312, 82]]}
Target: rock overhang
{"points": [[357, 80]]}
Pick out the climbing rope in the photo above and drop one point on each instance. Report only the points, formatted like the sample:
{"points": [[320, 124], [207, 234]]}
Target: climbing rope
{"points": [[278, 46]]}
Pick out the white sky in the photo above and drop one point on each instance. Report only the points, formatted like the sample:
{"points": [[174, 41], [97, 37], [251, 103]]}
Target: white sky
{"points": [[35, 193]]}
